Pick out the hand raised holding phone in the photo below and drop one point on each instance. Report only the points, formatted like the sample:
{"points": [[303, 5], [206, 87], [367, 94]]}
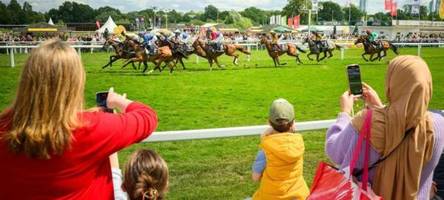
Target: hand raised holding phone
{"points": [[111, 100], [115, 100]]}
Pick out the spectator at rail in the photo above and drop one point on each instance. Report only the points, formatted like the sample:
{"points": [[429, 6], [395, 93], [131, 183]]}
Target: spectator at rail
{"points": [[50, 146], [279, 163], [146, 176], [406, 139]]}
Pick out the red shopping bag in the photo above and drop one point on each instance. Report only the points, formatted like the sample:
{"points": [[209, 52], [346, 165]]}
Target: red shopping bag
{"points": [[331, 183]]}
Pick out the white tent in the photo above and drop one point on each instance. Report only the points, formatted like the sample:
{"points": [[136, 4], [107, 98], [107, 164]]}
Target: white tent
{"points": [[109, 24], [50, 22]]}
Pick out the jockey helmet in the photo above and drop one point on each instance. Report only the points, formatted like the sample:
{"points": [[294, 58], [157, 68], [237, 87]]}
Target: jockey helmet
{"points": [[368, 31]]}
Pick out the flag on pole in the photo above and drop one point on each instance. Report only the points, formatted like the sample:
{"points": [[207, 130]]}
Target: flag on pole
{"points": [[388, 5], [394, 9], [97, 24], [296, 21], [441, 10], [290, 22]]}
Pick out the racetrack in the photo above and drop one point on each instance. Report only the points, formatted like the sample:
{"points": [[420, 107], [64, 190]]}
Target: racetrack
{"points": [[237, 96]]}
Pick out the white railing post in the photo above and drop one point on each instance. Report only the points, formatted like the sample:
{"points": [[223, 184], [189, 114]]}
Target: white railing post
{"points": [[11, 57], [342, 53], [79, 51], [249, 50], [419, 49]]}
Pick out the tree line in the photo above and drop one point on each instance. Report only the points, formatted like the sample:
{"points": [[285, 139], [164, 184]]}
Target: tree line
{"points": [[73, 12]]}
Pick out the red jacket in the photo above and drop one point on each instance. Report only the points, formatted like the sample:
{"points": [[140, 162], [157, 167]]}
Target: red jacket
{"points": [[83, 172]]}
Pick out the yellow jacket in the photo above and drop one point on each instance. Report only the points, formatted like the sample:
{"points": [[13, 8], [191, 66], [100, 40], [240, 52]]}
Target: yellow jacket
{"points": [[283, 176]]}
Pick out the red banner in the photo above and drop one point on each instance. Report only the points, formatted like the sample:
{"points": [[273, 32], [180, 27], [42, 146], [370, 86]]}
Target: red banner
{"points": [[98, 24], [296, 21], [394, 9], [388, 5], [290, 22]]}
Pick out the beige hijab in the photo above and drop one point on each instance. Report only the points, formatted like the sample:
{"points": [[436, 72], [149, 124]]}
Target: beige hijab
{"points": [[408, 90]]}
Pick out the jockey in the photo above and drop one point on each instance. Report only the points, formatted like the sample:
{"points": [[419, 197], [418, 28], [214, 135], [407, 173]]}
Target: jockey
{"points": [[372, 37], [149, 42], [216, 39], [317, 39], [275, 39]]}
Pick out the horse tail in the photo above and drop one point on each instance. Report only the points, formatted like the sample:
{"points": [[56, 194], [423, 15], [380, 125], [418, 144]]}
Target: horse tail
{"points": [[243, 50], [300, 49], [394, 48]]}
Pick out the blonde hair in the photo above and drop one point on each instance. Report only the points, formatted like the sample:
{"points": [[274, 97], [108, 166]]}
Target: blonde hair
{"points": [[48, 101], [146, 176]]}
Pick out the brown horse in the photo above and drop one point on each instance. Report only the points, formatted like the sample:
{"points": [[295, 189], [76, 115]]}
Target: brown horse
{"points": [[291, 50], [202, 49], [180, 51], [120, 52], [370, 49], [163, 55]]}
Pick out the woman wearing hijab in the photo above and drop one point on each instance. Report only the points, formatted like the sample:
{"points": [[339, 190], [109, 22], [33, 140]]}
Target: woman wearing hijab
{"points": [[406, 138]]}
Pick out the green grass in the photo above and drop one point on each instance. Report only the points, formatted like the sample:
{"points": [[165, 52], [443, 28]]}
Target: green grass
{"points": [[238, 96]]}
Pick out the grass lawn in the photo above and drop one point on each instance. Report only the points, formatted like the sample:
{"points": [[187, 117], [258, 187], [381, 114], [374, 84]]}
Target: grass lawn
{"points": [[199, 98]]}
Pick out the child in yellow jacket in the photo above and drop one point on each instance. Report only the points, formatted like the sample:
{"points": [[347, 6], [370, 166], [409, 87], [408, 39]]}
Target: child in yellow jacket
{"points": [[279, 163]]}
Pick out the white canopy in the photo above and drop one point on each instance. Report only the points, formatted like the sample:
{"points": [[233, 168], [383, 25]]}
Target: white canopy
{"points": [[50, 22], [109, 24]]}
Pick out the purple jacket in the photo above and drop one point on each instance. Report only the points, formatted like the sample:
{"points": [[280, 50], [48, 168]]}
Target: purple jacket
{"points": [[342, 137]]}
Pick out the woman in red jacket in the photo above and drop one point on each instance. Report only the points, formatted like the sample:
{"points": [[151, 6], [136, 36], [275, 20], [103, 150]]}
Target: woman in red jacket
{"points": [[50, 148]]}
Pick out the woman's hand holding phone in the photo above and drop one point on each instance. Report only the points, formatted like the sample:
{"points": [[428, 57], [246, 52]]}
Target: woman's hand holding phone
{"points": [[371, 97], [346, 102], [116, 100]]}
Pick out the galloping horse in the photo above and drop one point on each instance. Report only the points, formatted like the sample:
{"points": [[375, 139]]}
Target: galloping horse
{"points": [[178, 54], [120, 51], [163, 55], [370, 49], [291, 50], [202, 49], [314, 49]]}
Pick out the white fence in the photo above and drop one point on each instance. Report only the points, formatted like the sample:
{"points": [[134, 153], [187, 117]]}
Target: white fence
{"points": [[230, 132], [13, 49]]}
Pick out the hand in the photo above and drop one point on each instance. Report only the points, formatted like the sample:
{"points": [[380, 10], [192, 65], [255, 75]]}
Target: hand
{"points": [[346, 102], [370, 96], [118, 101]]}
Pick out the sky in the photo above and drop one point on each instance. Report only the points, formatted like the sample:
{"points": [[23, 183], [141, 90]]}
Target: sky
{"points": [[196, 5]]}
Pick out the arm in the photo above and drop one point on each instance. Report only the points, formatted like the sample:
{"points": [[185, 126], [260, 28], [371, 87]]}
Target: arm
{"points": [[259, 166], [119, 194], [117, 131]]}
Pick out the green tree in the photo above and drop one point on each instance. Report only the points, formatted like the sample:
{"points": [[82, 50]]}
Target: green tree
{"points": [[210, 13], [382, 18], [238, 21], [6, 18], [73, 12], [256, 15], [174, 16], [103, 13], [330, 11], [296, 7], [16, 13], [355, 14]]}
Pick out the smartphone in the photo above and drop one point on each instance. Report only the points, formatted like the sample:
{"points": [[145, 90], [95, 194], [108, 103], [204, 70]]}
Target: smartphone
{"points": [[101, 101], [354, 79]]}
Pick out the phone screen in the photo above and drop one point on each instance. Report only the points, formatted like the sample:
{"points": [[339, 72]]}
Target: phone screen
{"points": [[354, 79], [101, 101]]}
